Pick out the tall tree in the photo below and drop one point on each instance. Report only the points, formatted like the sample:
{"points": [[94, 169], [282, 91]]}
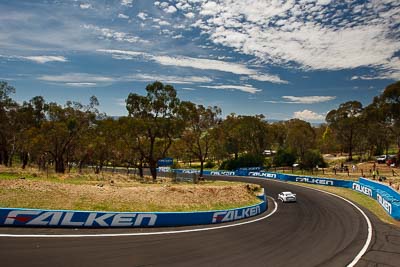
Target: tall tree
{"points": [[344, 121], [300, 137], [7, 107], [158, 112], [64, 127], [197, 135], [389, 104]]}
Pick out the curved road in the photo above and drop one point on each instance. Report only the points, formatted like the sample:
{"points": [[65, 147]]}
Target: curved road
{"points": [[318, 230]]}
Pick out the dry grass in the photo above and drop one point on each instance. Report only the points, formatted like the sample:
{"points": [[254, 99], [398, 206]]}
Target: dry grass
{"points": [[116, 193]]}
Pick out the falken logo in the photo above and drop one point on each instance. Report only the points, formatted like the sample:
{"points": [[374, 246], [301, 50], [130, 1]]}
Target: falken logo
{"points": [[384, 203], [223, 173], [74, 219], [313, 181], [191, 171], [232, 215], [362, 189], [263, 174]]}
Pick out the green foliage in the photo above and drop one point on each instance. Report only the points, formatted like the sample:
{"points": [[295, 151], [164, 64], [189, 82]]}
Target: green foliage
{"points": [[312, 158], [209, 165], [284, 157], [243, 161]]}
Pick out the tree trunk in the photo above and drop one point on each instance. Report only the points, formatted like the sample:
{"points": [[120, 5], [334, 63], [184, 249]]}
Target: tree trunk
{"points": [[201, 168], [59, 167], [24, 159], [153, 169]]}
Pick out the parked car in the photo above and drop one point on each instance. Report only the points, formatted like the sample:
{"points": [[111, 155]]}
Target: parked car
{"points": [[287, 197], [382, 158]]}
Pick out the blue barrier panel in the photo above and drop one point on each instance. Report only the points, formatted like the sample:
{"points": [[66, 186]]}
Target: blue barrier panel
{"points": [[269, 175], [319, 181], [380, 186], [364, 189], [389, 204], [69, 218]]}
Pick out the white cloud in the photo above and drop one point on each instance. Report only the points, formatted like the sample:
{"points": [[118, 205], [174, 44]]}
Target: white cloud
{"points": [[170, 9], [203, 64], [189, 15], [110, 34], [245, 88], [85, 6], [123, 16], [75, 78], [127, 2], [268, 78], [122, 52], [81, 84], [142, 15], [308, 115], [45, 59], [307, 34], [308, 99], [169, 79]]}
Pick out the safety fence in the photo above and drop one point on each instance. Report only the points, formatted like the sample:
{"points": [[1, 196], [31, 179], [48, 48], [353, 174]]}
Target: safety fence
{"points": [[386, 196], [97, 219]]}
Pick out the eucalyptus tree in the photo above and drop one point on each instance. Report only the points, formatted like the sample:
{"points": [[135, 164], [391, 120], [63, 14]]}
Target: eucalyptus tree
{"points": [[345, 121], [300, 137], [159, 121], [388, 104], [63, 127], [197, 134], [7, 117]]}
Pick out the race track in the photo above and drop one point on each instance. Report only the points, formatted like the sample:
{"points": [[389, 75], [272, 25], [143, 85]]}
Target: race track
{"points": [[318, 230]]}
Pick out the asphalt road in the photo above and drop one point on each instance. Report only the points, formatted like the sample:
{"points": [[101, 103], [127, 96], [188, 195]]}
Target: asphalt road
{"points": [[318, 230]]}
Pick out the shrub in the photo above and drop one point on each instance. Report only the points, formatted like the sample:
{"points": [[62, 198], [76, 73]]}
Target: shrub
{"points": [[209, 165], [247, 160], [313, 158], [284, 157]]}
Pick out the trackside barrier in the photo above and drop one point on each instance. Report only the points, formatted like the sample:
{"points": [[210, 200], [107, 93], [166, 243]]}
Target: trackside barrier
{"points": [[386, 196], [70, 218]]}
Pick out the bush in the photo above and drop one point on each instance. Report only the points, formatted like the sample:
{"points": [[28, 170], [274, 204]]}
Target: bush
{"points": [[243, 161], [209, 165], [284, 157], [313, 158]]}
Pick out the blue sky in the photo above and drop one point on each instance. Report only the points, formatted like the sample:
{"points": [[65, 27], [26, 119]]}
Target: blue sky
{"points": [[283, 59]]}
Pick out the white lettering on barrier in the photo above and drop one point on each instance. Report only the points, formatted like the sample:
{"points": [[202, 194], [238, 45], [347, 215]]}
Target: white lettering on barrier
{"points": [[313, 181], [190, 171], [263, 174], [53, 218], [223, 173], [362, 189], [384, 203], [231, 215]]}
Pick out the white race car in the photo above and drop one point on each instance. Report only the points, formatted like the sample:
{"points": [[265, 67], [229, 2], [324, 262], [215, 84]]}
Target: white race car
{"points": [[287, 197]]}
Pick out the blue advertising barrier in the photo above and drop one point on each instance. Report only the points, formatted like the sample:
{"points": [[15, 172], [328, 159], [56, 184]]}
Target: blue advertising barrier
{"points": [[386, 196], [70, 218], [380, 186]]}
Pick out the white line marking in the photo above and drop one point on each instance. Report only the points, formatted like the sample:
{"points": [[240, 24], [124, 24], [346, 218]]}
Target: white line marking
{"points": [[149, 233], [369, 237]]}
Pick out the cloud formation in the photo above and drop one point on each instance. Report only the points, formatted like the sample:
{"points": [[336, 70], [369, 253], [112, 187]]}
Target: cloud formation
{"points": [[244, 88], [308, 115], [200, 63], [314, 35], [303, 99]]}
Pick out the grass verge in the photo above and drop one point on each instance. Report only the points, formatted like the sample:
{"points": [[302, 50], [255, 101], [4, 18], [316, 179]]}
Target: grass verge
{"points": [[115, 192]]}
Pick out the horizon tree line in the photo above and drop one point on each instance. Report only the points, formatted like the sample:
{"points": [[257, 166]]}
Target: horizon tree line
{"points": [[159, 124]]}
